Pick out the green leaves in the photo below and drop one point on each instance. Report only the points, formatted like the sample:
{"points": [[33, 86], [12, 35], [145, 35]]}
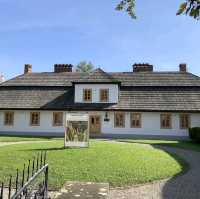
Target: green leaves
{"points": [[182, 8], [127, 6], [84, 66], [191, 8], [194, 13]]}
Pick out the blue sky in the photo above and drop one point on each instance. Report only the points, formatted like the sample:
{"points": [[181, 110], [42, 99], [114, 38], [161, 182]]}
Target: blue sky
{"points": [[67, 31]]}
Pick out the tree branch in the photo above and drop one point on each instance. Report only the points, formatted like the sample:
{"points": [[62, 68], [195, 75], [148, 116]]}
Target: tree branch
{"points": [[189, 7]]}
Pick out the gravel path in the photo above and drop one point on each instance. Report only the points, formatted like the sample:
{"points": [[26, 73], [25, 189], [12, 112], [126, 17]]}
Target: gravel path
{"points": [[186, 186]]}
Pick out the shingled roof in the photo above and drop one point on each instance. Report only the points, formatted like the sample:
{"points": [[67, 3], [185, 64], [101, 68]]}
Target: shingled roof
{"points": [[35, 98], [144, 99], [97, 76], [142, 91], [125, 78], [157, 79]]}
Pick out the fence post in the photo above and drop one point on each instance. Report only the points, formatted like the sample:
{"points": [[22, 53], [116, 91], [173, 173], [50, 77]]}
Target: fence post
{"points": [[1, 193], [22, 182], [37, 162], [45, 157], [28, 170], [46, 183], [41, 160], [16, 182], [33, 166], [23, 176], [9, 188]]}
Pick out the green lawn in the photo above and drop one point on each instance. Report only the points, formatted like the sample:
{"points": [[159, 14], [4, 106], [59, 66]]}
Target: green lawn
{"points": [[184, 144], [9, 138], [120, 164]]}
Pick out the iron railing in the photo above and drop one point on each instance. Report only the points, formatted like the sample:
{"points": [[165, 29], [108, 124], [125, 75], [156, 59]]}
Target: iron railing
{"points": [[22, 186]]}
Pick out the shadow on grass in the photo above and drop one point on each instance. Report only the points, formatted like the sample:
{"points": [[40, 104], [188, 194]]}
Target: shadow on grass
{"points": [[178, 185], [56, 149], [184, 185], [188, 145], [28, 136], [172, 187], [48, 149]]}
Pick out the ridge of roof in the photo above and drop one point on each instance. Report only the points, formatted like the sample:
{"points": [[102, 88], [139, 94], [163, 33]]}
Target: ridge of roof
{"points": [[157, 78], [98, 75], [154, 72], [101, 72], [2, 83]]}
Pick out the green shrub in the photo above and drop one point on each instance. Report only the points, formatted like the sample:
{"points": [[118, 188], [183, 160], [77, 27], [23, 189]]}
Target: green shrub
{"points": [[194, 134]]}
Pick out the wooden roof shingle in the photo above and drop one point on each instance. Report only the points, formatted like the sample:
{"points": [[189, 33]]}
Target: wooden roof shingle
{"points": [[130, 99], [125, 78], [139, 91]]}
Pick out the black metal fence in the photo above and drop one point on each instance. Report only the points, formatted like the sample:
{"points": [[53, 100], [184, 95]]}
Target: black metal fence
{"points": [[24, 185]]}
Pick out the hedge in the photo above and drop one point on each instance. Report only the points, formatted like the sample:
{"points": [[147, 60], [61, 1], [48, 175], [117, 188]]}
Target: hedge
{"points": [[194, 134]]}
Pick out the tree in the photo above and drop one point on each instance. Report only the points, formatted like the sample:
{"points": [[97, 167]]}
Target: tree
{"points": [[128, 6], [189, 7], [84, 66]]}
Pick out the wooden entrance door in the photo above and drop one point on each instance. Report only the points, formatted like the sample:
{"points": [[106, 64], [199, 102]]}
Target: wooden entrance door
{"points": [[95, 124]]}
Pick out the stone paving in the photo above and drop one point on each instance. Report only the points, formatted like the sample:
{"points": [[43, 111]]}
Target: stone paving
{"points": [[186, 186], [87, 190]]}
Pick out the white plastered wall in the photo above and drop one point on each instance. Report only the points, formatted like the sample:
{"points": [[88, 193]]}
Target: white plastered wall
{"points": [[150, 124], [113, 92], [22, 123]]}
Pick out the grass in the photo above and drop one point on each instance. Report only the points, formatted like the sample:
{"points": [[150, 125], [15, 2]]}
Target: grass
{"points": [[10, 138], [120, 164], [183, 144]]}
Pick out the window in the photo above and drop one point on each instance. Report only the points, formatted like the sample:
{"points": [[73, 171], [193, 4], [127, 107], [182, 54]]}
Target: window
{"points": [[104, 95], [165, 121], [135, 120], [8, 118], [35, 119], [119, 120], [57, 119], [184, 121], [87, 95]]}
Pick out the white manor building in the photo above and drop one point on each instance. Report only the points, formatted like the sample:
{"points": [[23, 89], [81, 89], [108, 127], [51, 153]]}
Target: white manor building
{"points": [[141, 102]]}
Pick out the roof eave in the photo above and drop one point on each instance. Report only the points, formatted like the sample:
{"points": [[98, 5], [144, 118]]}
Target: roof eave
{"points": [[88, 82]]}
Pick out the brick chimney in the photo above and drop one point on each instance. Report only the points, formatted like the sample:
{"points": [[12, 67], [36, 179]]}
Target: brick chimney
{"points": [[142, 67], [183, 67], [59, 68], [27, 68], [2, 79]]}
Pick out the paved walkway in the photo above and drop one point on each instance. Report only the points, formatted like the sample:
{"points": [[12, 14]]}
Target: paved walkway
{"points": [[186, 186], [87, 190]]}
